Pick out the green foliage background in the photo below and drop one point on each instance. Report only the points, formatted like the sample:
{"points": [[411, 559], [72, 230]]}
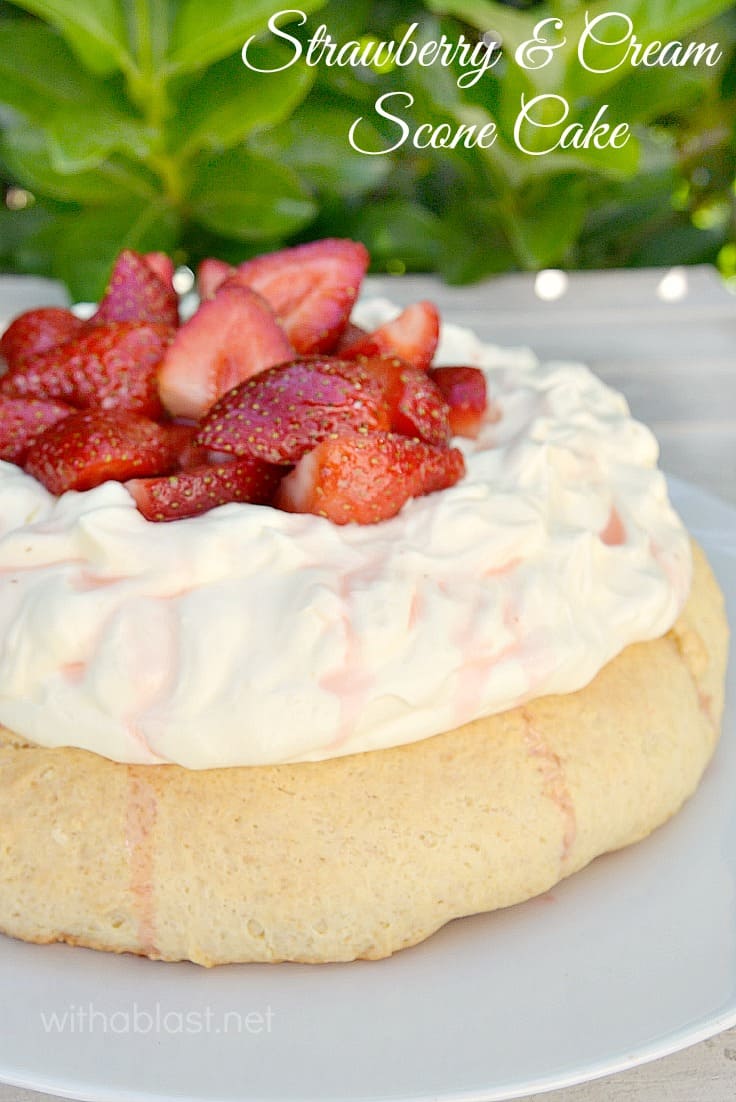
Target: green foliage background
{"points": [[135, 122]]}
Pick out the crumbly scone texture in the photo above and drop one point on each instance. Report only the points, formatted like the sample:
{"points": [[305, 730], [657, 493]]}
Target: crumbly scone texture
{"points": [[362, 855]]}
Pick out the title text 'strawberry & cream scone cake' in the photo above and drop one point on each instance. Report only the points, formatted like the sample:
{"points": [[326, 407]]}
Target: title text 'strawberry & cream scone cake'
{"points": [[321, 624]]}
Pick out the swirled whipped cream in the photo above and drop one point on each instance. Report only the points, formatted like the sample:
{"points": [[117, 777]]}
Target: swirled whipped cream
{"points": [[249, 636]]}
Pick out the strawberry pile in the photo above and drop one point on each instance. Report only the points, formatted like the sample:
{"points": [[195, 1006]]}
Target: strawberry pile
{"points": [[268, 394]]}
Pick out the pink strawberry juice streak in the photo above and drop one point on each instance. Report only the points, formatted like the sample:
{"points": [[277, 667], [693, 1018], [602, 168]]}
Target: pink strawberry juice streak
{"points": [[157, 667], [614, 534], [142, 811], [554, 783], [475, 666], [350, 684]]}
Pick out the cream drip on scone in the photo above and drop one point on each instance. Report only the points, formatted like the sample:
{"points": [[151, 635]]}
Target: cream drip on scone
{"points": [[249, 636]]}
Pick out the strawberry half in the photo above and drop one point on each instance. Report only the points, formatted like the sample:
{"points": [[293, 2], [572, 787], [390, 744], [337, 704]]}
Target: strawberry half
{"points": [[416, 404], [37, 331], [211, 274], [283, 412], [412, 336], [199, 489], [137, 293], [365, 479], [107, 367], [162, 266], [311, 288], [229, 339], [92, 446], [351, 334], [22, 420], [465, 392], [191, 454]]}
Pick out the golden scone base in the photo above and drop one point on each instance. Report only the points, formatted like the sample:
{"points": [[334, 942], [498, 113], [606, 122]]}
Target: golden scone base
{"points": [[363, 855]]}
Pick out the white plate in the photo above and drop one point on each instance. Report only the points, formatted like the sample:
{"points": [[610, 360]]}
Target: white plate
{"points": [[631, 959]]}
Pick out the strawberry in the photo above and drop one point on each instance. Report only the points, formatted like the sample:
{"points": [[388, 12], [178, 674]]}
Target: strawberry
{"points": [[229, 339], [283, 412], [181, 439], [24, 419], [188, 452], [107, 367], [465, 392], [416, 404], [201, 488], [365, 479], [193, 454], [136, 293], [94, 446], [412, 336], [37, 331], [211, 274], [311, 288], [351, 334], [162, 266]]}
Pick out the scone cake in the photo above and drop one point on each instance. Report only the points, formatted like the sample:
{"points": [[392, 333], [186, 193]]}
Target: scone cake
{"points": [[323, 623]]}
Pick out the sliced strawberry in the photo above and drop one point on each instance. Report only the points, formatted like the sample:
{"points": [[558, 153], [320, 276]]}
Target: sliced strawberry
{"points": [[416, 405], [162, 266], [283, 412], [412, 336], [91, 446], [181, 439], [466, 394], [351, 334], [364, 479], [191, 454], [229, 339], [37, 331], [311, 288], [136, 293], [108, 367], [24, 419], [211, 274], [199, 489]]}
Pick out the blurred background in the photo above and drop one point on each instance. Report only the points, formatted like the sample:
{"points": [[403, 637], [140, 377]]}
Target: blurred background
{"points": [[135, 123]]}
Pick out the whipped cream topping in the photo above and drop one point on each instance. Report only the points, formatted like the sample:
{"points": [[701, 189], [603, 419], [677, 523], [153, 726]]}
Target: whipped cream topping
{"points": [[249, 636]]}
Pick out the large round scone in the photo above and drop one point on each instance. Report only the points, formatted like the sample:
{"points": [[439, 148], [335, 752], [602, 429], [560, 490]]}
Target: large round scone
{"points": [[362, 855]]}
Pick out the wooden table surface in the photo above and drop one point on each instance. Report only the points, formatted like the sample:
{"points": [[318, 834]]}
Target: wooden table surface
{"points": [[668, 341]]}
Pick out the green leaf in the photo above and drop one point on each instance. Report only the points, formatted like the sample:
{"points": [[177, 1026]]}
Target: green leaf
{"points": [[551, 215], [198, 243], [314, 142], [666, 20], [400, 235], [94, 29], [113, 182], [207, 32], [512, 26], [82, 137], [247, 197], [345, 21], [37, 70], [645, 95], [149, 24], [619, 217], [653, 20], [616, 163], [681, 243], [476, 245], [230, 101], [85, 119], [663, 20], [16, 229], [84, 245]]}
